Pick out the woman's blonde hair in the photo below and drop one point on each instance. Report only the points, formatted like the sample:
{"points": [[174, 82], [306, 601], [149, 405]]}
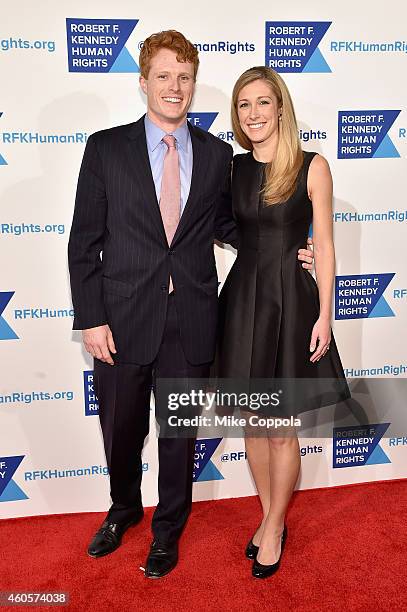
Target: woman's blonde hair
{"points": [[282, 173]]}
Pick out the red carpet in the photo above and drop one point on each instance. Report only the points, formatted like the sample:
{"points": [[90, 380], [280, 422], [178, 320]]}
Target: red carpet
{"points": [[345, 551]]}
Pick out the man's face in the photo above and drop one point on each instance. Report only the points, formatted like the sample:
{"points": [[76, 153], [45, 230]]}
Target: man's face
{"points": [[169, 89]]}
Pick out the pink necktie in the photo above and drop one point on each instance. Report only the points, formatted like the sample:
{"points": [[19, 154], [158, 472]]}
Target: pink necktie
{"points": [[170, 197]]}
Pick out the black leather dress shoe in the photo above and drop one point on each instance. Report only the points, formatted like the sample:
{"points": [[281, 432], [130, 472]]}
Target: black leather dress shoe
{"points": [[251, 550], [109, 536], [161, 560], [264, 571]]}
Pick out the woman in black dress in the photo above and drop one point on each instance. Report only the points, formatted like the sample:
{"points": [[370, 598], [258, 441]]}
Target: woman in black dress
{"points": [[275, 321]]}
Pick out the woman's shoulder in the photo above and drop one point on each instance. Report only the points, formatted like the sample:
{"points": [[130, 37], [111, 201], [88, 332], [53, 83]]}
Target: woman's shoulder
{"points": [[315, 157], [240, 163], [314, 163], [242, 157]]}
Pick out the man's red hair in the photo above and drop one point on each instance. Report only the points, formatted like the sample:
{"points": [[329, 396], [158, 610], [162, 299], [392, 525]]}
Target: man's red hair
{"points": [[170, 39]]}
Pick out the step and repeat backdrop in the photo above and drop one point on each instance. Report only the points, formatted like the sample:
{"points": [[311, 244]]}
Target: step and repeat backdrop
{"points": [[71, 68]]}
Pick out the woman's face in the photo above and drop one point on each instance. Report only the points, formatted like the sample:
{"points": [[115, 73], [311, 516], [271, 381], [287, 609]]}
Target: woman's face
{"points": [[258, 111]]}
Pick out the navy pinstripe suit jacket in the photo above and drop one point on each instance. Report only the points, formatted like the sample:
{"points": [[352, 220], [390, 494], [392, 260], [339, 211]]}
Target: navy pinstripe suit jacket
{"points": [[117, 215]]}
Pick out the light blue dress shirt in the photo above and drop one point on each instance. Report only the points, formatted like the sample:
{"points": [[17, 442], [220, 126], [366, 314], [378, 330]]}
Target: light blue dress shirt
{"points": [[157, 150]]}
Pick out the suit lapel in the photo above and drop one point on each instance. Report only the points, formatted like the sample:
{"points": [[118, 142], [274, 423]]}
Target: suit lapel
{"points": [[140, 163], [200, 162]]}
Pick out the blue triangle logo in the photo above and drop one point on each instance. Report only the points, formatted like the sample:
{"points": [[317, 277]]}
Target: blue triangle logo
{"points": [[124, 63], [202, 120], [210, 472], [378, 456], [6, 333], [12, 492], [2, 161], [386, 148], [382, 309], [316, 63]]}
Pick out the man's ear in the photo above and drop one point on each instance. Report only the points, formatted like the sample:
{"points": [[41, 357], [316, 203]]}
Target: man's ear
{"points": [[143, 84]]}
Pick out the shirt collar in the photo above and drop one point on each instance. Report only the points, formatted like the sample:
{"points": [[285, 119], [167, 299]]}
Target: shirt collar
{"points": [[155, 134]]}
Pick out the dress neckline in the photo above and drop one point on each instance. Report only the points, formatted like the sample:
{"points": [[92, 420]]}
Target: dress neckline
{"points": [[250, 153], [256, 160]]}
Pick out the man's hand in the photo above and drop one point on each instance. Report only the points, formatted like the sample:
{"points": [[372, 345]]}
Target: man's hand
{"points": [[307, 256], [99, 343]]}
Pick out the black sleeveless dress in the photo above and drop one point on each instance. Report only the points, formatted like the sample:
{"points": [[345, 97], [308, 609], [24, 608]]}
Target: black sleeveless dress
{"points": [[269, 303]]}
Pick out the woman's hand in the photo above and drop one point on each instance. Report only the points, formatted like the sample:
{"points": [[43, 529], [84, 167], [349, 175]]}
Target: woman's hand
{"points": [[320, 339]]}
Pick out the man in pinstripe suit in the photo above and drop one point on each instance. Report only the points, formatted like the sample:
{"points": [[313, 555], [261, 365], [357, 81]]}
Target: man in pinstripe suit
{"points": [[135, 329]]}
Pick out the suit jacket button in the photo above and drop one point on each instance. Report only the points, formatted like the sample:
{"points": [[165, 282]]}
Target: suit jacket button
{"points": [[164, 288]]}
